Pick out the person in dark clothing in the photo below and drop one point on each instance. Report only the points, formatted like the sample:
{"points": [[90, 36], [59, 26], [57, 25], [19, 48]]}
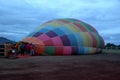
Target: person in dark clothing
{"points": [[27, 50], [22, 48]]}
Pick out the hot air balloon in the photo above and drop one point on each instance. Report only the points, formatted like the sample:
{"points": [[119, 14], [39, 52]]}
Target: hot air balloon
{"points": [[65, 37]]}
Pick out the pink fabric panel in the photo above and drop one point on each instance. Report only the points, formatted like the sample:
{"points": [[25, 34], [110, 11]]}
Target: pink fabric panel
{"points": [[57, 41], [48, 42], [67, 50], [43, 37]]}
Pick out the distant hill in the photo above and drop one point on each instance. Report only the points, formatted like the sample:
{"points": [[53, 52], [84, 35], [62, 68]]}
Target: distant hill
{"points": [[5, 40]]}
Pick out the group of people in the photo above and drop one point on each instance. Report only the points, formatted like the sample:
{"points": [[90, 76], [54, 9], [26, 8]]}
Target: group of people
{"points": [[25, 48]]}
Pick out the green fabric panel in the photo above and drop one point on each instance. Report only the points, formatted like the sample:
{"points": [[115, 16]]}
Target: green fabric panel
{"points": [[101, 42], [70, 20], [49, 50]]}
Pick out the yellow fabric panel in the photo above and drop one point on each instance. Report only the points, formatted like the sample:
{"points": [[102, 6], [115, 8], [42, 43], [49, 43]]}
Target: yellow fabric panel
{"points": [[84, 37], [55, 24], [72, 28], [39, 27], [92, 50], [89, 39]]}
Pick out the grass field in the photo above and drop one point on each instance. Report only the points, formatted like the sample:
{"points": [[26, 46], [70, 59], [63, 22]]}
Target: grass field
{"points": [[83, 67], [113, 51]]}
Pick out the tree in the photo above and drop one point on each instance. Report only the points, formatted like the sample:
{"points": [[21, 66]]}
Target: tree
{"points": [[110, 46]]}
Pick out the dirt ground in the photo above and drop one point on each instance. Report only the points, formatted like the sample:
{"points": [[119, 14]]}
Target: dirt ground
{"points": [[83, 67]]}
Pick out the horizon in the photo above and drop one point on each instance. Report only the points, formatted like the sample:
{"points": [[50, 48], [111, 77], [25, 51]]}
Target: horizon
{"points": [[18, 18]]}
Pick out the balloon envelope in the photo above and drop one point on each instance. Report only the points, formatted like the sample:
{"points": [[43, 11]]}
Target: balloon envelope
{"points": [[65, 37]]}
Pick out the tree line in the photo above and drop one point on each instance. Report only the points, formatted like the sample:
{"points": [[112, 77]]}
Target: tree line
{"points": [[112, 46]]}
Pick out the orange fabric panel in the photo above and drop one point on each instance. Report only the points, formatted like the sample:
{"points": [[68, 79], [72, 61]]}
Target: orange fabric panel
{"points": [[39, 50], [33, 40]]}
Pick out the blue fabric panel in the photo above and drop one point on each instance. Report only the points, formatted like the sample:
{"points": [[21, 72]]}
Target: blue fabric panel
{"points": [[31, 34], [65, 30], [86, 50], [79, 39], [59, 32], [49, 27], [81, 50], [72, 39], [43, 30]]}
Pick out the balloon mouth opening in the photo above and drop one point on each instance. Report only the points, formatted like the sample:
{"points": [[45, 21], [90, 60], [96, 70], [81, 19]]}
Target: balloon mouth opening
{"points": [[33, 40]]}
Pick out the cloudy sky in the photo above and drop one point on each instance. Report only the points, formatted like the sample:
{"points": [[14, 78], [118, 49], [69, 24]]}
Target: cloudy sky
{"points": [[19, 17]]}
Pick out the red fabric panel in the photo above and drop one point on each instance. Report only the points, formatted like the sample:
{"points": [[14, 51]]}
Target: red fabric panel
{"points": [[93, 40], [81, 27], [58, 50], [64, 21]]}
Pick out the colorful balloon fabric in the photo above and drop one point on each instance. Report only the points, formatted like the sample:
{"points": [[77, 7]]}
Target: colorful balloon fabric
{"points": [[65, 37]]}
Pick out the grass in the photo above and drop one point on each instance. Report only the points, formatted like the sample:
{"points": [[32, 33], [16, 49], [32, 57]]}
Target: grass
{"points": [[111, 51]]}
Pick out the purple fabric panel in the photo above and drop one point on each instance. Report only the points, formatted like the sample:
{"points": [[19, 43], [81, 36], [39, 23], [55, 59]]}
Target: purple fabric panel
{"points": [[37, 34], [65, 40], [74, 50], [51, 34]]}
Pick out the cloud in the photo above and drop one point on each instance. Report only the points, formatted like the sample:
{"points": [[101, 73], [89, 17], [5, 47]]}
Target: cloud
{"points": [[18, 18], [112, 38]]}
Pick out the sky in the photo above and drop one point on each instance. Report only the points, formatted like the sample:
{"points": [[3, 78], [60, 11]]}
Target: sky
{"points": [[19, 17]]}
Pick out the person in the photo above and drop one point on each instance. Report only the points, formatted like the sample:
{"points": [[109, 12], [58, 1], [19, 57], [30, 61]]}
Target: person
{"points": [[12, 53], [22, 49], [31, 49], [27, 50]]}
